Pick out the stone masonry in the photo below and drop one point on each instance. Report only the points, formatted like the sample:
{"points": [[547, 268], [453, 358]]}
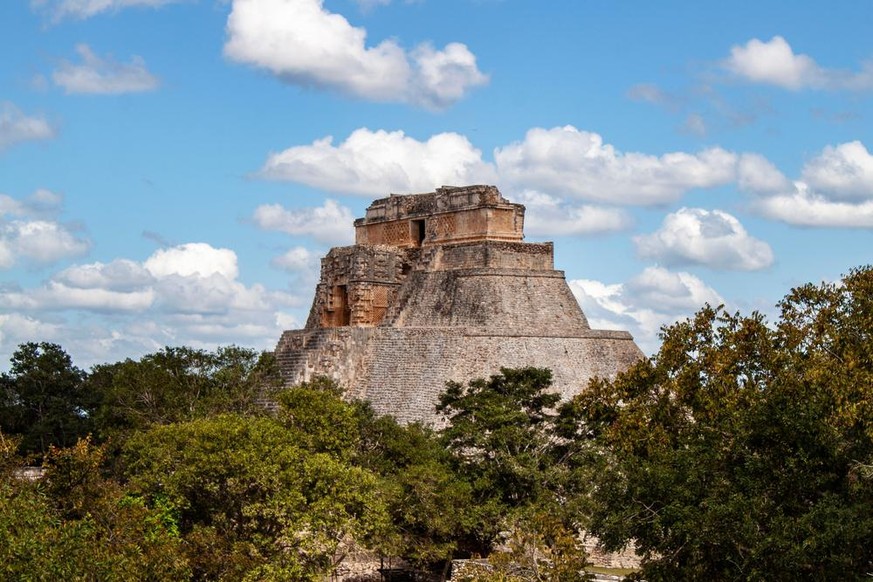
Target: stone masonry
{"points": [[440, 287]]}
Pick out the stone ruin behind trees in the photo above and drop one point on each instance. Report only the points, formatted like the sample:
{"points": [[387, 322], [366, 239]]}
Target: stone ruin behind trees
{"points": [[438, 287]]}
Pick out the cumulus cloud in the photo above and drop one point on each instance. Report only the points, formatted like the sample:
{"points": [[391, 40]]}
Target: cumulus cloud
{"points": [[835, 189], [27, 232], [303, 43], [193, 259], [550, 216], [650, 300], [370, 163], [755, 173], [16, 127], [39, 241], [58, 10], [715, 239], [551, 170], [803, 207], [41, 204], [54, 296], [103, 76], [844, 171], [577, 163], [330, 223], [302, 264], [16, 329], [774, 62], [187, 294], [562, 161], [297, 259]]}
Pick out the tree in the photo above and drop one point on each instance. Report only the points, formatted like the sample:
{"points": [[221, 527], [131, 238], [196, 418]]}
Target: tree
{"points": [[741, 451], [419, 483], [502, 435], [178, 384], [75, 525], [500, 432], [320, 420], [43, 398], [540, 548], [251, 502]]}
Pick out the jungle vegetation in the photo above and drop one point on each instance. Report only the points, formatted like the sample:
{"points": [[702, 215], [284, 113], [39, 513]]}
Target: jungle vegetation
{"points": [[742, 450]]}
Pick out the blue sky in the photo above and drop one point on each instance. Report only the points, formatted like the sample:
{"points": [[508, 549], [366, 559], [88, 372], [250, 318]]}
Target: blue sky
{"points": [[171, 171]]}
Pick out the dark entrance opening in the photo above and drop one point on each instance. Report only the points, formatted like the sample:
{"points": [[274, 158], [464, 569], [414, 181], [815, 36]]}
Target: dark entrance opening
{"points": [[418, 232]]}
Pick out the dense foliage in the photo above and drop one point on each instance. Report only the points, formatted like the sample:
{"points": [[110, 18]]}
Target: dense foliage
{"points": [[43, 398], [742, 451]]}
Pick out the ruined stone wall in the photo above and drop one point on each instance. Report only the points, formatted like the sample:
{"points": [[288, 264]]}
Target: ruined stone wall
{"points": [[357, 285], [401, 371], [445, 216], [492, 300], [340, 353], [410, 366], [393, 323], [493, 254]]}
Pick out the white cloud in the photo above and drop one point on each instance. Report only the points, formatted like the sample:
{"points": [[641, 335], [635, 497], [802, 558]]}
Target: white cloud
{"points": [[193, 259], [96, 75], [371, 163], [119, 275], [189, 294], [303, 43], [572, 162], [844, 172], [56, 296], [676, 293], [549, 216], [81, 9], [298, 260], [562, 161], [552, 168], [774, 62], [694, 236], [185, 279], [16, 328], [654, 298], [29, 232], [16, 127], [835, 189], [755, 173], [39, 241], [41, 204], [330, 223], [803, 207]]}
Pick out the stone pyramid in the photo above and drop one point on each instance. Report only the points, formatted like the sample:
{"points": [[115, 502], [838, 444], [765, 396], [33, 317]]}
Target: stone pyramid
{"points": [[440, 287]]}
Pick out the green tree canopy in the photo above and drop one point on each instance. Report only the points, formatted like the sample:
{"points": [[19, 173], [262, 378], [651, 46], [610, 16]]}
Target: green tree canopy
{"points": [[74, 524], [181, 383], [741, 451], [251, 501], [502, 434], [43, 398]]}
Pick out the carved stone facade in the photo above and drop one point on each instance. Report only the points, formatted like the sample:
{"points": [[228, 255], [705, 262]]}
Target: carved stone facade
{"points": [[440, 287]]}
